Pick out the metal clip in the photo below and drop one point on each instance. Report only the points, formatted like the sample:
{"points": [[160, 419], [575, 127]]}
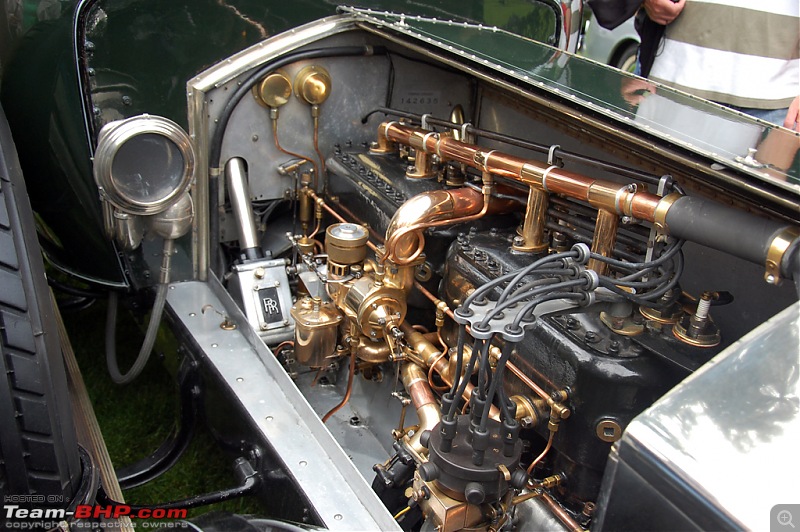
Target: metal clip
{"points": [[551, 155], [424, 121]]}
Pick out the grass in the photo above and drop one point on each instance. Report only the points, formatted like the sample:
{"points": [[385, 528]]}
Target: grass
{"points": [[136, 418]]}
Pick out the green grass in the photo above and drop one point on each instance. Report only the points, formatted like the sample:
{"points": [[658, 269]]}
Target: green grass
{"points": [[137, 417]]}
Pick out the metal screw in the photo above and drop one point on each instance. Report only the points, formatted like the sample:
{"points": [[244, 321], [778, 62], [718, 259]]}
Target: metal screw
{"points": [[519, 241], [126, 100]]}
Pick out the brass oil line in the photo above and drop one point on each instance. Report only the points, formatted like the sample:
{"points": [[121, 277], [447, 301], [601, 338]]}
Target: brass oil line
{"points": [[323, 204], [315, 117], [543, 453]]}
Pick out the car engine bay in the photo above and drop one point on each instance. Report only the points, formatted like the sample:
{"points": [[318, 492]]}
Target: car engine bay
{"points": [[474, 284]]}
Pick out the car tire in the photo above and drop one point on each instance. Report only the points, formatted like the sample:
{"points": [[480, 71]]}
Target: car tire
{"points": [[625, 58], [38, 447]]}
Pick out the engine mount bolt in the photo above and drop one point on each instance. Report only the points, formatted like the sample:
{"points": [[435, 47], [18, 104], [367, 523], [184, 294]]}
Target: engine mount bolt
{"points": [[591, 337]]}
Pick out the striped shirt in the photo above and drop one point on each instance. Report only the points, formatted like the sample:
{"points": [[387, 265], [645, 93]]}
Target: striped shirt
{"points": [[744, 53]]}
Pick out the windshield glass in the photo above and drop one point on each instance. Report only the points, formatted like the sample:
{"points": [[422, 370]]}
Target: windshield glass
{"points": [[728, 137]]}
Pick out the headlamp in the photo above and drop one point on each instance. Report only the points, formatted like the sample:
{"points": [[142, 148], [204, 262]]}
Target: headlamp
{"points": [[143, 164]]}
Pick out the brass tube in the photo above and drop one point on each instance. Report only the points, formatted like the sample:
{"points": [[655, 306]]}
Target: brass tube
{"points": [[415, 382], [527, 381], [604, 195], [350, 375], [534, 223], [605, 236], [291, 153]]}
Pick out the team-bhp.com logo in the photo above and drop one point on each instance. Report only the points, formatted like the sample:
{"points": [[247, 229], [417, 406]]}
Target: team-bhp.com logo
{"points": [[22, 517]]}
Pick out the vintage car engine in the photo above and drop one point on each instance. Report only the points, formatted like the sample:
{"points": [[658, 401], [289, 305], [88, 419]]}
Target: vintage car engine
{"points": [[559, 316], [475, 284]]}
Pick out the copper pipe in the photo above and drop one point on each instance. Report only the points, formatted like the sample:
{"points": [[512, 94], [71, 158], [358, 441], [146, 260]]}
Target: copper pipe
{"points": [[404, 238], [323, 168], [543, 453], [316, 229], [416, 384], [281, 346], [527, 381], [291, 153], [561, 514], [431, 369], [605, 236], [605, 195], [349, 391]]}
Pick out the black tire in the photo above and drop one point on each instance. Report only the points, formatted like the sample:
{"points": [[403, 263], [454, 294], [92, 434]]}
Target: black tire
{"points": [[38, 448], [625, 58]]}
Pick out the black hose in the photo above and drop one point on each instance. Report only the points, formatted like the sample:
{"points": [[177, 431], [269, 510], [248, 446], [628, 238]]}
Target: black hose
{"points": [[248, 487]]}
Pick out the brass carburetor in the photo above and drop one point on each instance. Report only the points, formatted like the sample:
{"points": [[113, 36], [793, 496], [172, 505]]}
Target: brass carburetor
{"points": [[368, 297], [372, 298]]}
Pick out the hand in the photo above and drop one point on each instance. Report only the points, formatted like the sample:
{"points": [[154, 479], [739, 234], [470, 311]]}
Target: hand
{"points": [[793, 115], [635, 90], [663, 11]]}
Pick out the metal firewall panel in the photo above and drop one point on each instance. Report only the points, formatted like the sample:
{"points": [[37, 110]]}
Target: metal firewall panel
{"points": [[357, 87], [282, 416]]}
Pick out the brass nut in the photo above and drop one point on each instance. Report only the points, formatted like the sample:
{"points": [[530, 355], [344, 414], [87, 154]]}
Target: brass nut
{"points": [[609, 430]]}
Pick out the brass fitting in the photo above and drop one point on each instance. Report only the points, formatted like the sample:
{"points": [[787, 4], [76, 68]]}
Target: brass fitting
{"points": [[312, 85]]}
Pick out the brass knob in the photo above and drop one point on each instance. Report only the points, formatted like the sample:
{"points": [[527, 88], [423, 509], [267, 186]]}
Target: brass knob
{"points": [[313, 85]]}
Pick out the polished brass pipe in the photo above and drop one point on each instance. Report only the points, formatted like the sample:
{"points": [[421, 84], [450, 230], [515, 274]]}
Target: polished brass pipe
{"points": [[415, 382], [603, 240], [533, 224], [404, 239]]}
